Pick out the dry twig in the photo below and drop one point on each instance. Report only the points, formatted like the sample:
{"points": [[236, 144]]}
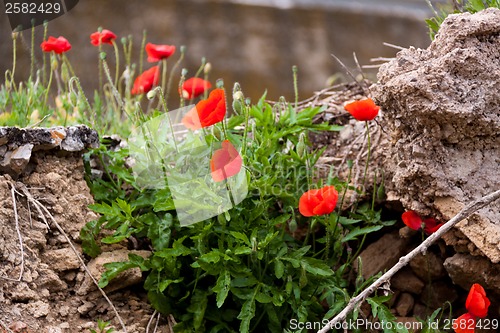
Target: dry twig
{"points": [[5, 327], [466, 212], [19, 236]]}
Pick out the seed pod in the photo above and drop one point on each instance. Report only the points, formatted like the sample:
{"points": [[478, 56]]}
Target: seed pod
{"points": [[301, 145]]}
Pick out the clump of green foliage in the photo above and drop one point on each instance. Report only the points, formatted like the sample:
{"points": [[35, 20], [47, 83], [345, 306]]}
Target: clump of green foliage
{"points": [[456, 6], [246, 269], [254, 267]]}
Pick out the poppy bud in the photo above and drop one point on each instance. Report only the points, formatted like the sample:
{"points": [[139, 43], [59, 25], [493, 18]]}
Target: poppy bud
{"points": [[151, 94], [301, 145], [54, 64], [207, 68], [292, 226], [64, 72]]}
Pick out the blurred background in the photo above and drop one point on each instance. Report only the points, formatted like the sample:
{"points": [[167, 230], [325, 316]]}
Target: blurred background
{"points": [[254, 42]]}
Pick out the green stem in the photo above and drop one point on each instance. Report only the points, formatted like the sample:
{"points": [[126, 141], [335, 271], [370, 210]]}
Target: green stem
{"points": [[99, 56], [117, 59], [245, 131], [44, 74], [295, 85], [328, 237], [171, 76], [48, 87], [14, 52], [368, 154], [32, 53], [143, 45]]}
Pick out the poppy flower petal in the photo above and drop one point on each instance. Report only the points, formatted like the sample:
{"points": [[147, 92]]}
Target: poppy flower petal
{"points": [[191, 120], [194, 87], [307, 203], [466, 323], [103, 37], [477, 303], [318, 201], [145, 82], [58, 45], [431, 226], [363, 110], [412, 219], [225, 162], [158, 52], [213, 109]]}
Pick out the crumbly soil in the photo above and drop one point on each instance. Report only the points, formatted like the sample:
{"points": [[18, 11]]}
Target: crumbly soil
{"points": [[39, 285]]}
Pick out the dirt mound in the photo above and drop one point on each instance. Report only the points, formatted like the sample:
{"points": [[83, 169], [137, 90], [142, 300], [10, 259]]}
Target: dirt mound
{"points": [[43, 285], [443, 108]]}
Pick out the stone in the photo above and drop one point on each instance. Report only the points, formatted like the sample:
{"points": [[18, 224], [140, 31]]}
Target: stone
{"points": [[465, 269], [62, 259], [20, 158], [441, 106], [383, 254], [404, 305], [123, 280], [39, 309], [405, 280], [428, 267]]}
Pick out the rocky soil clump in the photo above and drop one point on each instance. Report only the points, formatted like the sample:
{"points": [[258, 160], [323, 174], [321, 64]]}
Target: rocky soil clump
{"points": [[43, 286]]}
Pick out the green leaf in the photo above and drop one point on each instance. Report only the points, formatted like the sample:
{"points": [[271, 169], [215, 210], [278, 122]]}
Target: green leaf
{"points": [[281, 219], [88, 235], [263, 298], [316, 267], [198, 306], [222, 287], [279, 268], [241, 236], [160, 230], [105, 209], [211, 257], [246, 314], [361, 231], [112, 270], [160, 302]]}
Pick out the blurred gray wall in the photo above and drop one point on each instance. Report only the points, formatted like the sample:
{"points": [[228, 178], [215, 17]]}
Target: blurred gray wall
{"points": [[255, 45]]}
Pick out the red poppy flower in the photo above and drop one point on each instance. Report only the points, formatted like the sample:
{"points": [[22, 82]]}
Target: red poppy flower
{"points": [[144, 82], [158, 52], [414, 221], [103, 37], [477, 303], [225, 162], [318, 202], [431, 225], [58, 45], [207, 112], [465, 323], [363, 110], [194, 87]]}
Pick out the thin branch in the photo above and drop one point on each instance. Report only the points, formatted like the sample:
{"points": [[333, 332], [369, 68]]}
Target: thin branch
{"points": [[151, 320], [5, 327], [348, 71], [19, 236], [397, 47], [466, 212]]}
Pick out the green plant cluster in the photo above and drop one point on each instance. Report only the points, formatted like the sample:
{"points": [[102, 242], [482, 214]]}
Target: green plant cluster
{"points": [[457, 6], [256, 266]]}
